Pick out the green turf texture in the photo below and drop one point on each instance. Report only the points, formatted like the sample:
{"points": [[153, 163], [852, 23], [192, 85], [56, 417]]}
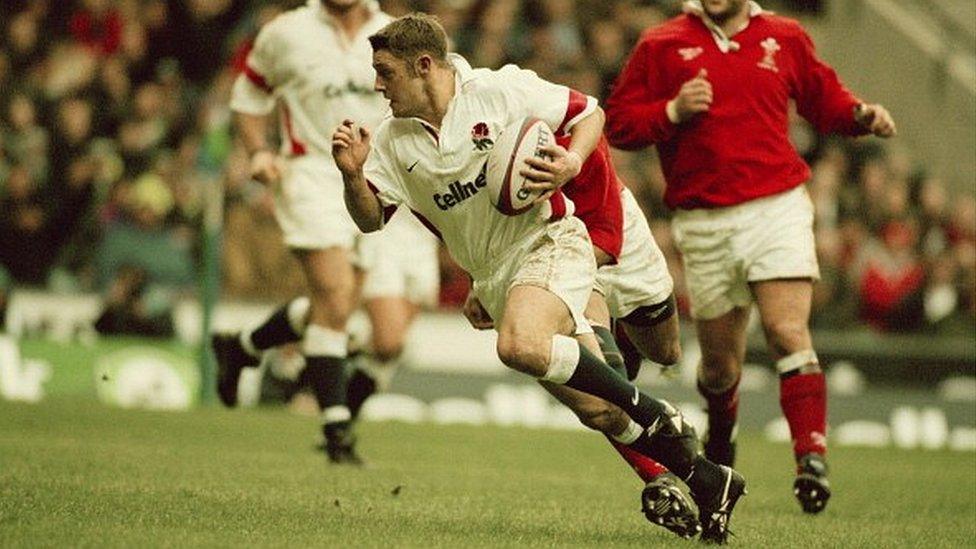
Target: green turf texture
{"points": [[75, 473]]}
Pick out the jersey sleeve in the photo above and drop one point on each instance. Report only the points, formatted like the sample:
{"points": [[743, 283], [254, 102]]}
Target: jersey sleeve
{"points": [[382, 175], [558, 106], [254, 89], [820, 96], [637, 107]]}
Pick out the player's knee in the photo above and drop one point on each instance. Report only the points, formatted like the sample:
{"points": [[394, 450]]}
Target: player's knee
{"points": [[387, 349], [668, 354], [522, 352], [786, 336], [718, 373]]}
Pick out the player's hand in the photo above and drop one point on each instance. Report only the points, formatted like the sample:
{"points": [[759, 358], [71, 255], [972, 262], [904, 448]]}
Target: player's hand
{"points": [[547, 175], [266, 167], [350, 147], [876, 119], [694, 97], [476, 314]]}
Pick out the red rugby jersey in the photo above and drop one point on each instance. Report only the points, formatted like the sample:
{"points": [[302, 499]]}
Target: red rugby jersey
{"points": [[738, 150], [595, 193]]}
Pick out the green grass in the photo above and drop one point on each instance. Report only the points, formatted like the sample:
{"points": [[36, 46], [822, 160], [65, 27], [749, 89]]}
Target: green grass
{"points": [[75, 473]]}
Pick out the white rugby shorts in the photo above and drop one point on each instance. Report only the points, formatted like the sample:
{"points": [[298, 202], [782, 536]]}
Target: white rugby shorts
{"points": [[559, 259], [401, 261], [310, 208], [640, 277], [724, 249]]}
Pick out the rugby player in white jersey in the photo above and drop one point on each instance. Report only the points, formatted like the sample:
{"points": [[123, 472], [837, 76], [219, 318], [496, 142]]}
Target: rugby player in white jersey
{"points": [[534, 272], [312, 64]]}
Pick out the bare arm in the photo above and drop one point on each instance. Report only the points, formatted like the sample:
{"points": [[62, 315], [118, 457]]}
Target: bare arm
{"points": [[350, 147], [253, 130]]}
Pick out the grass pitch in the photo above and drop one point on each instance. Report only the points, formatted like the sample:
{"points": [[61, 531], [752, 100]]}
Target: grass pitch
{"points": [[75, 473]]}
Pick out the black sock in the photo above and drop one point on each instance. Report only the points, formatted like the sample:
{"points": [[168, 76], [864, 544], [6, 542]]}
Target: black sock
{"points": [[671, 441], [608, 346], [361, 386], [594, 377], [275, 331], [327, 377]]}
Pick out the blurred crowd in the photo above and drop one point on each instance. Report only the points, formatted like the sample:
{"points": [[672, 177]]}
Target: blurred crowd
{"points": [[114, 131]]}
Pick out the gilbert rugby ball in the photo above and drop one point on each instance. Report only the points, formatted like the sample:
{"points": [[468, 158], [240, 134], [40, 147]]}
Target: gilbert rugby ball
{"points": [[521, 140]]}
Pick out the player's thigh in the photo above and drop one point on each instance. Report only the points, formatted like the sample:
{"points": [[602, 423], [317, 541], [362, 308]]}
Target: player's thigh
{"points": [[784, 309], [597, 311], [723, 345], [531, 318], [713, 274], [390, 318]]}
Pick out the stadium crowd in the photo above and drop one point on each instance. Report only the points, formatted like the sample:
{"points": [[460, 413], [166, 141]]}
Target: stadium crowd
{"points": [[114, 124]]}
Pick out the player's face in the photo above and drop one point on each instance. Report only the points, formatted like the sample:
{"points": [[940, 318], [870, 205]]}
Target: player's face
{"points": [[721, 10], [403, 88]]}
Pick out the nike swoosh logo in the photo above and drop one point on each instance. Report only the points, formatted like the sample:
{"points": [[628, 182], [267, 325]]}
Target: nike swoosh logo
{"points": [[636, 397], [412, 166]]}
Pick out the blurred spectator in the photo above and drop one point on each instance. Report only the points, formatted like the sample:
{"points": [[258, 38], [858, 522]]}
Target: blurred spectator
{"points": [[141, 238], [25, 141], [97, 25]]}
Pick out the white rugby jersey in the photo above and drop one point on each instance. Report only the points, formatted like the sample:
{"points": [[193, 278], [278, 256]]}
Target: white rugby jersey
{"points": [[319, 75], [441, 175]]}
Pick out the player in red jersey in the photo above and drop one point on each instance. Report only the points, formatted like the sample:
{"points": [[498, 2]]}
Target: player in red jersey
{"points": [[711, 89]]}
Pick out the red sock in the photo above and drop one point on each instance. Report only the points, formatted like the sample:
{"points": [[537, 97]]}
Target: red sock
{"points": [[723, 409], [803, 398], [646, 468]]}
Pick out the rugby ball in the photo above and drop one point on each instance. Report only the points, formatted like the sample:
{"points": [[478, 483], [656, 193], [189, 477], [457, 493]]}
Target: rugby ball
{"points": [[521, 140]]}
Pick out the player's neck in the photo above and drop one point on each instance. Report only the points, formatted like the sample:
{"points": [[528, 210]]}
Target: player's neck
{"points": [[349, 20], [440, 90], [734, 23]]}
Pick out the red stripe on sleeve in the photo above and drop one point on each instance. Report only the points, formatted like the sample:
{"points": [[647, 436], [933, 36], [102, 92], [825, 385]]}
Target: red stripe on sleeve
{"points": [[426, 223], [256, 79], [558, 203], [577, 104], [388, 211], [297, 147]]}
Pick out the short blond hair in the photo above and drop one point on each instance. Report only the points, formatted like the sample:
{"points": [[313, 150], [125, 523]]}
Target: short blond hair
{"points": [[411, 36]]}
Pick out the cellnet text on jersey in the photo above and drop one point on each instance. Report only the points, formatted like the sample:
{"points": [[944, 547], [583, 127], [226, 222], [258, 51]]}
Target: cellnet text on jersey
{"points": [[459, 192]]}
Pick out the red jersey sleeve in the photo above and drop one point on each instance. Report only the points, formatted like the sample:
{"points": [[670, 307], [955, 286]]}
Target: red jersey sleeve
{"points": [[636, 108], [820, 96]]}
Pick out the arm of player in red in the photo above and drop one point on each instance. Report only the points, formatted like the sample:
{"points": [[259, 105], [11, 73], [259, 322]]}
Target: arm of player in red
{"points": [[637, 108]]}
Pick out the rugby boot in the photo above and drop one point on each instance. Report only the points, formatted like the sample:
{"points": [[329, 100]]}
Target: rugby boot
{"points": [[664, 504], [231, 359], [811, 487], [715, 507]]}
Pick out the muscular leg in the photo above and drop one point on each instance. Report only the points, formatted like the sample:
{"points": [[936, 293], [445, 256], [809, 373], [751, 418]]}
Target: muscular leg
{"points": [[591, 414], [723, 346], [332, 290], [532, 339], [390, 318], [784, 308]]}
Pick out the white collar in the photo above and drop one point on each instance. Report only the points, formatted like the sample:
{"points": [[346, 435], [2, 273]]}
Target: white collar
{"points": [[724, 43]]}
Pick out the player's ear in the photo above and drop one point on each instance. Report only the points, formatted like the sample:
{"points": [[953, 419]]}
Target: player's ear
{"points": [[423, 65]]}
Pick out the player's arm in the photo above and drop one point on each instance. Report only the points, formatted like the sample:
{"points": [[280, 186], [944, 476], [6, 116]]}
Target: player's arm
{"points": [[350, 148], [826, 103], [253, 131], [637, 109], [253, 101]]}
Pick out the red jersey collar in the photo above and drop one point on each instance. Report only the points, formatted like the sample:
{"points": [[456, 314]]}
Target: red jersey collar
{"points": [[724, 43]]}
